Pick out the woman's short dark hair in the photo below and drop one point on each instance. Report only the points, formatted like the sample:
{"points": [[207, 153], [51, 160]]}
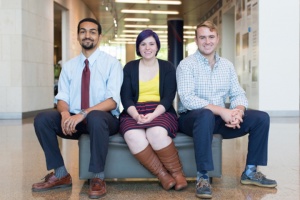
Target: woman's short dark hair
{"points": [[89, 20], [143, 35]]}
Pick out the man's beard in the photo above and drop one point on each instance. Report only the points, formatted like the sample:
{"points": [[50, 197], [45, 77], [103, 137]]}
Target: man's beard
{"points": [[87, 46]]}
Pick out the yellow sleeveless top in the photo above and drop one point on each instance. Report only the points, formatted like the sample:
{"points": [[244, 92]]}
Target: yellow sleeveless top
{"points": [[149, 90]]}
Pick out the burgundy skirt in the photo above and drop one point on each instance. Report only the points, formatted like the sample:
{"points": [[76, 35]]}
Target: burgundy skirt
{"points": [[166, 120]]}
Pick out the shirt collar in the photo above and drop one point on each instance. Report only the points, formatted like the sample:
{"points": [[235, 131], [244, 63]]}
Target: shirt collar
{"points": [[91, 59], [203, 58]]}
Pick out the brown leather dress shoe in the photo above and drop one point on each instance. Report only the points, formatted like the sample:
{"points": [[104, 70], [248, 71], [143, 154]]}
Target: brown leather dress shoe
{"points": [[51, 182], [97, 188]]}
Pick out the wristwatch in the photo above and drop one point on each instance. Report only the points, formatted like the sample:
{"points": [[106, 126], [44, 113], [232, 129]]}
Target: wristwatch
{"points": [[83, 112]]}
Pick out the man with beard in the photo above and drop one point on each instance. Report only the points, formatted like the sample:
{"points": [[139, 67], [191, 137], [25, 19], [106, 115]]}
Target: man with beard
{"points": [[87, 103]]}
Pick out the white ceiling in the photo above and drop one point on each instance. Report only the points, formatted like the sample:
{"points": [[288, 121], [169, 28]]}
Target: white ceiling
{"points": [[191, 11]]}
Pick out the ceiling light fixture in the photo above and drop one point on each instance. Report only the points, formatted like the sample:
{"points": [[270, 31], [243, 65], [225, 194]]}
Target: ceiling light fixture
{"points": [[189, 27], [155, 26], [188, 36], [124, 39], [163, 40], [135, 35], [145, 26], [189, 32], [134, 11], [150, 2], [135, 26], [138, 31], [166, 12], [132, 31], [121, 42], [128, 35], [137, 19]]}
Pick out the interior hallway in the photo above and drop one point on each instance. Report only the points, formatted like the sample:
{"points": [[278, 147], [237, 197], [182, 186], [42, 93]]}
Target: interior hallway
{"points": [[22, 164]]}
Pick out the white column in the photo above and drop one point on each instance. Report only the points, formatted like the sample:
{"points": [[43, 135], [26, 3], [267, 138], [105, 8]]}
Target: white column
{"points": [[279, 57]]}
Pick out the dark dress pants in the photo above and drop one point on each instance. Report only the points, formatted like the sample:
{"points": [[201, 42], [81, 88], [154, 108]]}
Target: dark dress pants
{"points": [[201, 124], [99, 125]]}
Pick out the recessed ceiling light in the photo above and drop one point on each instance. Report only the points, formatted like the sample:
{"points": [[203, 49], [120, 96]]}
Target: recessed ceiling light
{"points": [[166, 12], [137, 19], [138, 31], [124, 39], [157, 26], [132, 31], [135, 26], [150, 2], [135, 35], [189, 32], [135, 11], [163, 40], [189, 27], [144, 26], [118, 42], [128, 35], [188, 36]]}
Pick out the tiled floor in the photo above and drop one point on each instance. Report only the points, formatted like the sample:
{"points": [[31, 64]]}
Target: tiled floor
{"points": [[22, 163]]}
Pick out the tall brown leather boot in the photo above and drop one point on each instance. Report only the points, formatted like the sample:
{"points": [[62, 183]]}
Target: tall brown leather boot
{"points": [[150, 161], [170, 159]]}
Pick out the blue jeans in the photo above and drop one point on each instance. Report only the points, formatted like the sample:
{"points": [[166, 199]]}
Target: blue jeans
{"points": [[201, 124], [99, 125]]}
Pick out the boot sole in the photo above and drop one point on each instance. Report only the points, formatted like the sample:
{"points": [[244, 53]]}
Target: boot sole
{"points": [[169, 187], [181, 187]]}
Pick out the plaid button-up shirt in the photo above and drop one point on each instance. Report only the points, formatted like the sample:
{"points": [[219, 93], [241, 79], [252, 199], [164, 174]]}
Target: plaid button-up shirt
{"points": [[199, 85]]}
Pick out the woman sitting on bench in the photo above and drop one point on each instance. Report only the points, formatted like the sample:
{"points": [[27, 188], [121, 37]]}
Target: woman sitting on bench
{"points": [[149, 121]]}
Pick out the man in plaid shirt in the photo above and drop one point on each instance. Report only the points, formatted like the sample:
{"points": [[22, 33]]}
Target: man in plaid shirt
{"points": [[204, 81]]}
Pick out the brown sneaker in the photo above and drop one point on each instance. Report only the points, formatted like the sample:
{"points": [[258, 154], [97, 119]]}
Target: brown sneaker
{"points": [[97, 188], [51, 182]]}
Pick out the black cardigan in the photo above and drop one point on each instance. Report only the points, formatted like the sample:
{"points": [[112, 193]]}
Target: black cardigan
{"points": [[167, 84]]}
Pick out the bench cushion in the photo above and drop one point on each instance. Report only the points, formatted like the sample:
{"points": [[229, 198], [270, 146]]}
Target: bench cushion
{"points": [[120, 163]]}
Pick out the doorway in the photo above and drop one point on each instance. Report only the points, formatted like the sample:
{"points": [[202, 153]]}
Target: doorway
{"points": [[60, 33], [228, 35]]}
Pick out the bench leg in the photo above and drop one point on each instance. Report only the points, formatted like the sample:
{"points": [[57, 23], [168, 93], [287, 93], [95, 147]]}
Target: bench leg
{"points": [[210, 180]]}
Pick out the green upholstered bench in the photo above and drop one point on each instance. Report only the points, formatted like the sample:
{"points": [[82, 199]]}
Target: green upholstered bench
{"points": [[121, 164]]}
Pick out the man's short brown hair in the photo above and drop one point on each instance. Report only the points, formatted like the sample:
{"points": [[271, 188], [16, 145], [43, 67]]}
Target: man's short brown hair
{"points": [[208, 24]]}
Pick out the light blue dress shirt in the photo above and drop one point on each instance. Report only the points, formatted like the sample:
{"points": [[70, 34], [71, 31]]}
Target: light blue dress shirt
{"points": [[105, 81], [199, 85]]}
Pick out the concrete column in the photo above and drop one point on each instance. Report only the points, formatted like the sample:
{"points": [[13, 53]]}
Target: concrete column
{"points": [[175, 45], [175, 41]]}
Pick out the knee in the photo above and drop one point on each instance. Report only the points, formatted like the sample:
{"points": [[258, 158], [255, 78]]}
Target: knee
{"points": [[203, 112], [42, 118], [135, 137], [97, 117], [155, 136], [204, 115], [130, 137], [38, 119], [264, 117]]}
